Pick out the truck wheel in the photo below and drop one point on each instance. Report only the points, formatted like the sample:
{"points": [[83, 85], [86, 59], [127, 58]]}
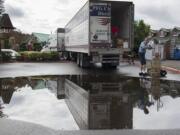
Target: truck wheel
{"points": [[66, 56], [73, 56], [109, 65], [104, 65]]}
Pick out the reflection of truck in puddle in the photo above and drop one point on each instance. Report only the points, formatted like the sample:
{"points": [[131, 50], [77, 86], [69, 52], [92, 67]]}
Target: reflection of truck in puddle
{"points": [[98, 105], [100, 102]]}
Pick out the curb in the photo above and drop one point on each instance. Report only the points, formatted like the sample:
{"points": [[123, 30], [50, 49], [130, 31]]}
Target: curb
{"points": [[170, 69], [174, 70]]}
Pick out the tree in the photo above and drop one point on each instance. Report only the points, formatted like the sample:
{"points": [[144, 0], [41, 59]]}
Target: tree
{"points": [[2, 9], [22, 47], [141, 30], [20, 37], [37, 47]]}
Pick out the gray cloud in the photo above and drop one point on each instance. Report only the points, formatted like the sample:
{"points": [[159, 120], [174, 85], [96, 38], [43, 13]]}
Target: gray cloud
{"points": [[64, 2], [15, 12], [29, 15], [159, 13]]}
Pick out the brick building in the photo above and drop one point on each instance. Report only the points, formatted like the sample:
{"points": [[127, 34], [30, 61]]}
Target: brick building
{"points": [[169, 41]]}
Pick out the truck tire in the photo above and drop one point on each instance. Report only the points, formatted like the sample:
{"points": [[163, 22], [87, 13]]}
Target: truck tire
{"points": [[73, 56], [66, 56], [109, 65]]}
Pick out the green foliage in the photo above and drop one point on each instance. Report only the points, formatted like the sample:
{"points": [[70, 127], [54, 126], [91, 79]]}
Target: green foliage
{"points": [[43, 43], [54, 55], [39, 56], [34, 56], [24, 56], [141, 30], [6, 56], [37, 47], [23, 47], [46, 56]]}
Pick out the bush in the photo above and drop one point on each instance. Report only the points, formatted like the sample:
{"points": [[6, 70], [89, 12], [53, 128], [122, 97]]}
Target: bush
{"points": [[54, 55], [24, 56], [46, 56], [39, 56], [34, 56]]}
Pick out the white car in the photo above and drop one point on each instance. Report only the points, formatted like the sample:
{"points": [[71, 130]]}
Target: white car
{"points": [[49, 49], [13, 53]]}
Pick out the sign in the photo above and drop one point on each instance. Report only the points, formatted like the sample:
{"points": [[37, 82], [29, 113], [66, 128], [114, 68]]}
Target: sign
{"points": [[100, 22], [100, 9]]}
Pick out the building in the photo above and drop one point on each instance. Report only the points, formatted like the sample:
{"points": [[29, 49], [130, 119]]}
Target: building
{"points": [[41, 37], [55, 41], [168, 41], [37, 38], [6, 27]]}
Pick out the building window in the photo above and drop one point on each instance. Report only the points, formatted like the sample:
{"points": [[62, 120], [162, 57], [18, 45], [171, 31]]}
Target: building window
{"points": [[5, 30], [161, 34], [175, 34]]}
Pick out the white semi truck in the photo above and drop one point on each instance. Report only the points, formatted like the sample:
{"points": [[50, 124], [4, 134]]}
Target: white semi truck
{"points": [[98, 33]]}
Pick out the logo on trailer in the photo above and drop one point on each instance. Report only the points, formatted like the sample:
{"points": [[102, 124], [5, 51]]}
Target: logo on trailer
{"points": [[104, 21]]}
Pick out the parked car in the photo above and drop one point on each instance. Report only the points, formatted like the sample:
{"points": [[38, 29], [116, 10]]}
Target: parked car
{"points": [[14, 55]]}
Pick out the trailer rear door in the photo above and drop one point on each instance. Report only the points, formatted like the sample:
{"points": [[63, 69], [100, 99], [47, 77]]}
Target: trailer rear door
{"points": [[100, 23]]}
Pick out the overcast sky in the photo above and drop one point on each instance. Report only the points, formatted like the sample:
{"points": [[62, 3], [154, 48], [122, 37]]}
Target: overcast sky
{"points": [[46, 15]]}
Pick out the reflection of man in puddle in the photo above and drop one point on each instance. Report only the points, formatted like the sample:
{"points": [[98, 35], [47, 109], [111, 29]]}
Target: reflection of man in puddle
{"points": [[155, 91], [143, 96]]}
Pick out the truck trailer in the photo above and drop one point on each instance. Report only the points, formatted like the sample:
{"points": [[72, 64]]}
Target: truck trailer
{"points": [[98, 33]]}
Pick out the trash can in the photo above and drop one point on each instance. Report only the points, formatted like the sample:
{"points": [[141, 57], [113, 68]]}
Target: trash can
{"points": [[177, 54]]}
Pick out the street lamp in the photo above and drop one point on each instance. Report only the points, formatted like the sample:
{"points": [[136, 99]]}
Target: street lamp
{"points": [[5, 28]]}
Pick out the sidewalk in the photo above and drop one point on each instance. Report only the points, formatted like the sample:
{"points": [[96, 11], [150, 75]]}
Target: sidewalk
{"points": [[14, 127], [168, 65], [171, 65]]}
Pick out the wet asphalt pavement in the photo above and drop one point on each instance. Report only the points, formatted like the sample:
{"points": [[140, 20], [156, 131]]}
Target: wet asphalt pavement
{"points": [[43, 98], [68, 68]]}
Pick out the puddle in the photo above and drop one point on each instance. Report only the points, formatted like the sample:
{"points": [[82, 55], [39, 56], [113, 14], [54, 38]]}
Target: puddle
{"points": [[92, 102]]}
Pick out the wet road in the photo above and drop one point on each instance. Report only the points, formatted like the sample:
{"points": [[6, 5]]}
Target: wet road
{"points": [[23, 98], [67, 68]]}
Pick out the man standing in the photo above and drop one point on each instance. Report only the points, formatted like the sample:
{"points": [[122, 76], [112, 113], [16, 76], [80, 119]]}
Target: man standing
{"points": [[142, 51]]}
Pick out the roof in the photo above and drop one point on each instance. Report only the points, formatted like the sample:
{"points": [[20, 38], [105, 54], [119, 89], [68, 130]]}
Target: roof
{"points": [[164, 29], [5, 22], [164, 41], [154, 31], [41, 37], [177, 28]]}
